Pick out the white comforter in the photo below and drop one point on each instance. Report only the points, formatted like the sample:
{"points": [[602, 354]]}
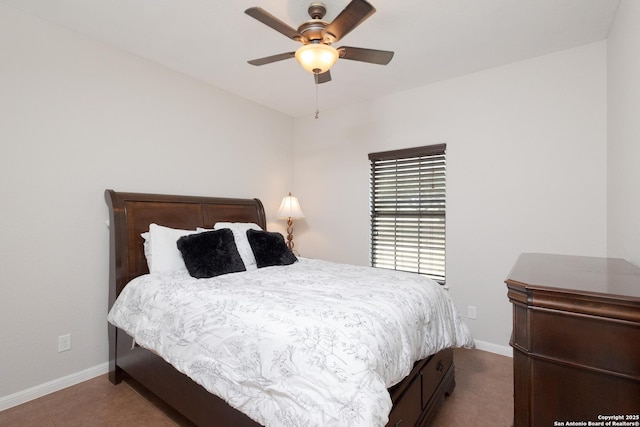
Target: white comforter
{"points": [[310, 344]]}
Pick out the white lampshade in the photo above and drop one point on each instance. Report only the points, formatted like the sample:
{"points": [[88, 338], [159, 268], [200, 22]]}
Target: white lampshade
{"points": [[316, 58], [290, 208]]}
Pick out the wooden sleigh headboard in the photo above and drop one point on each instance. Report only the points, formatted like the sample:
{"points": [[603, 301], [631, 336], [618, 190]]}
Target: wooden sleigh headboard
{"points": [[131, 213]]}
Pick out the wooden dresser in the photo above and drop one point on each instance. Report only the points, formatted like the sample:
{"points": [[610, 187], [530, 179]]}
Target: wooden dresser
{"points": [[575, 339]]}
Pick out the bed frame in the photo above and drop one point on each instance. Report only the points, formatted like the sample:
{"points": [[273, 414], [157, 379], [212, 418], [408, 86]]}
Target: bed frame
{"points": [[415, 399]]}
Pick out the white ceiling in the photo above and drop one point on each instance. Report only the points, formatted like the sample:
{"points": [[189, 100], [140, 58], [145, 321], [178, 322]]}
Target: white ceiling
{"points": [[433, 40]]}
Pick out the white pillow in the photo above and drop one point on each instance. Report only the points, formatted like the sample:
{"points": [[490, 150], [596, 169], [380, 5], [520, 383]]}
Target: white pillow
{"points": [[147, 248], [164, 250], [239, 230]]}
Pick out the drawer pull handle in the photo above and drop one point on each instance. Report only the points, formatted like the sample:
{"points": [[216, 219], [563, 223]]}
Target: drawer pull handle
{"points": [[440, 366]]}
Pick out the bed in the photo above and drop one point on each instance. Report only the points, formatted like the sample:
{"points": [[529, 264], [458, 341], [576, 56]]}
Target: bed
{"points": [[415, 398]]}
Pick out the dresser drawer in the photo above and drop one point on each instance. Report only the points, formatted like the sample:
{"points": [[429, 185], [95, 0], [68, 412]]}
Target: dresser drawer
{"points": [[433, 372], [587, 341]]}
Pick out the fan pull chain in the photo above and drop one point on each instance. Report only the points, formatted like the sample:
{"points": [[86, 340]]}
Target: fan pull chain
{"points": [[317, 110]]}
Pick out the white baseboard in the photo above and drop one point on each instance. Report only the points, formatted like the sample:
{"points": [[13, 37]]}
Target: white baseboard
{"points": [[32, 393], [494, 348]]}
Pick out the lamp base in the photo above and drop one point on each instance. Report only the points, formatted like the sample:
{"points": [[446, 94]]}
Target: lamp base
{"points": [[290, 244]]}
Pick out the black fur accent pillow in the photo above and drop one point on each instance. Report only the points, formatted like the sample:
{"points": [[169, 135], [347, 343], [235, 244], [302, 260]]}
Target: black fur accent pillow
{"points": [[269, 249], [210, 253]]}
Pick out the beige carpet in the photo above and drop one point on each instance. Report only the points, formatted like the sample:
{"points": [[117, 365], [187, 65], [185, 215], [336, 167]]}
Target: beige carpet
{"points": [[483, 397], [484, 391]]}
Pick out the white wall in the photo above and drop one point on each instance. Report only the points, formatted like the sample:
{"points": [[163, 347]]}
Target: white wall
{"points": [[526, 171], [624, 133], [79, 117]]}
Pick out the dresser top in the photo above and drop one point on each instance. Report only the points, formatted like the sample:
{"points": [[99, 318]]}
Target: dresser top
{"points": [[577, 274]]}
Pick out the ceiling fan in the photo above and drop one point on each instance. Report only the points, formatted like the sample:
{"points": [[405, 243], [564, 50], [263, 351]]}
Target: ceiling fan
{"points": [[316, 55]]}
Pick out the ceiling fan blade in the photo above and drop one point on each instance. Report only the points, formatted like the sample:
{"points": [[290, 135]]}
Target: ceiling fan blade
{"points": [[272, 58], [350, 17], [271, 21], [322, 78], [373, 56]]}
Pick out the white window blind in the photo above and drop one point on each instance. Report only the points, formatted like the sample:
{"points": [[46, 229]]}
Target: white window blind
{"points": [[408, 210]]}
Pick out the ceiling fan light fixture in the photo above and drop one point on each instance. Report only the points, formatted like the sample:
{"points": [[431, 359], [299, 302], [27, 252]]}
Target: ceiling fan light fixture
{"points": [[317, 58]]}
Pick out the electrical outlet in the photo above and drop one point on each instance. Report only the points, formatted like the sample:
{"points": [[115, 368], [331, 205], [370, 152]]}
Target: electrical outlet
{"points": [[64, 343], [471, 312]]}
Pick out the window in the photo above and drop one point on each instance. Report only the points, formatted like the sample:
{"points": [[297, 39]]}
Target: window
{"points": [[408, 210]]}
